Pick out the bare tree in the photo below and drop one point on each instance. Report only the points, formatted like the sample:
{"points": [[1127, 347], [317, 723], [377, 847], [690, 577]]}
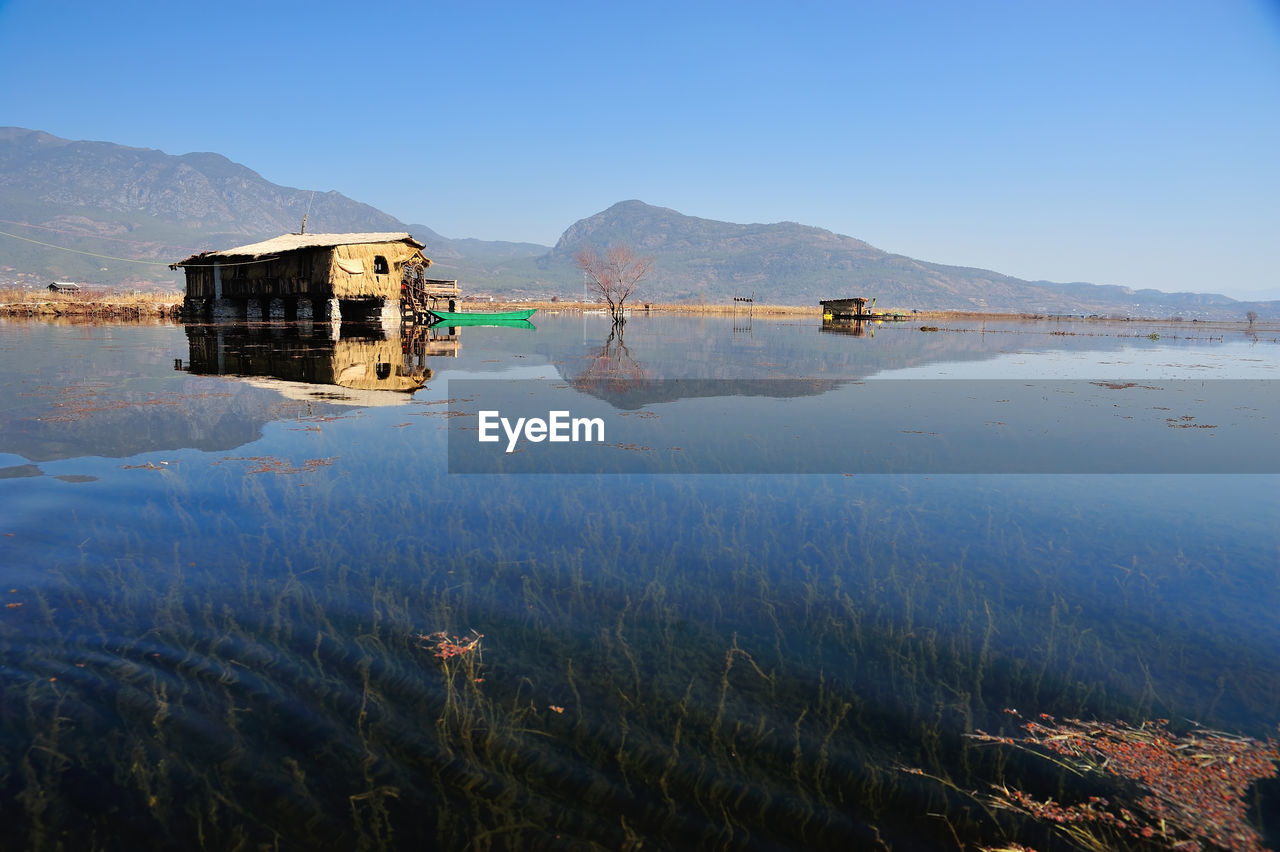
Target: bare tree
{"points": [[1252, 317], [614, 275]]}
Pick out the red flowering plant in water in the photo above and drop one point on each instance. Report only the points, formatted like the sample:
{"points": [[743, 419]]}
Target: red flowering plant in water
{"points": [[1191, 787], [445, 646]]}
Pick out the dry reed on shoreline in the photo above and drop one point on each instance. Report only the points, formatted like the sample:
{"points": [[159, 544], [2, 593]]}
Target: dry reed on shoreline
{"points": [[92, 303]]}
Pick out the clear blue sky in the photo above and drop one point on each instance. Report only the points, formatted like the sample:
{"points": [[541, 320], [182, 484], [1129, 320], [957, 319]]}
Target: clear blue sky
{"points": [[1115, 142]]}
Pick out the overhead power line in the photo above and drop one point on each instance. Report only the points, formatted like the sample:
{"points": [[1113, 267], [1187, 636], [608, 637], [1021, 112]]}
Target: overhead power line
{"points": [[89, 253], [132, 259]]}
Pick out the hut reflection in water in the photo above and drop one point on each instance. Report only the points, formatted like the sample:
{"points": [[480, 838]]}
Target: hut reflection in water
{"points": [[355, 358], [855, 327]]}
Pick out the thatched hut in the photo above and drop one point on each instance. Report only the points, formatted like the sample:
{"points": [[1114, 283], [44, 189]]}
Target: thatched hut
{"points": [[325, 276]]}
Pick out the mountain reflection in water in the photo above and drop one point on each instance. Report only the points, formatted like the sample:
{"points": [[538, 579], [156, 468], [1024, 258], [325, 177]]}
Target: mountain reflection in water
{"points": [[276, 621]]}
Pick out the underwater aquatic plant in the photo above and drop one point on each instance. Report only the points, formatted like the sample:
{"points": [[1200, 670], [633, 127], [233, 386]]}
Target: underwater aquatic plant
{"points": [[445, 646], [1191, 787]]}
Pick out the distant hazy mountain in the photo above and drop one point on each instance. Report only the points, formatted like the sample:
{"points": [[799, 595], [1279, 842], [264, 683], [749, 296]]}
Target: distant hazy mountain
{"points": [[789, 263], [111, 201], [107, 202]]}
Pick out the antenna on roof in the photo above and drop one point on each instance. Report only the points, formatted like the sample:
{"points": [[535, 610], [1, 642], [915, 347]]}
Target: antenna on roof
{"points": [[310, 198]]}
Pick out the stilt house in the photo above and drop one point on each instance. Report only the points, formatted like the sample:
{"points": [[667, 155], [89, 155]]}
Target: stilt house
{"points": [[306, 276]]}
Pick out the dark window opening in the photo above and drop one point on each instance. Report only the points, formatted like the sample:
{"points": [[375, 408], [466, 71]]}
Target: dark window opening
{"points": [[380, 266], [360, 310]]}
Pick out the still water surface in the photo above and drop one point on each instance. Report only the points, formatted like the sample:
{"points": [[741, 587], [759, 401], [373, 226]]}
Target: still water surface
{"points": [[228, 555]]}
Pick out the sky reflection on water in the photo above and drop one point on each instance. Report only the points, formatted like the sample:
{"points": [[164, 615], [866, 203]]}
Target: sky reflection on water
{"points": [[225, 607]]}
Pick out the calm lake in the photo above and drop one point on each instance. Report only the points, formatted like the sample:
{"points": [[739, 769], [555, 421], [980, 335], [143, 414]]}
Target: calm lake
{"points": [[265, 587]]}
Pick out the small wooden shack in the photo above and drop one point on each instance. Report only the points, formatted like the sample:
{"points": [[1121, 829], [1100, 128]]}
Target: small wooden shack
{"points": [[306, 276], [64, 287], [845, 308]]}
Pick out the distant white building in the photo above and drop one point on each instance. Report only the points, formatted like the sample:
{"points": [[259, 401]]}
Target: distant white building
{"points": [[64, 287]]}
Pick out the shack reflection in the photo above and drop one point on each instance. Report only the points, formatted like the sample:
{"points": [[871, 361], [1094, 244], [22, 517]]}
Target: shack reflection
{"points": [[854, 327]]}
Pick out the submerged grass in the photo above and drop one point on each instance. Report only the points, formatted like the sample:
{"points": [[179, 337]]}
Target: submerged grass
{"points": [[666, 662], [745, 699], [1175, 790]]}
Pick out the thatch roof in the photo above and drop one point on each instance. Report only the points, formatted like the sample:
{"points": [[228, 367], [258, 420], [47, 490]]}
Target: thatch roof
{"points": [[293, 242]]}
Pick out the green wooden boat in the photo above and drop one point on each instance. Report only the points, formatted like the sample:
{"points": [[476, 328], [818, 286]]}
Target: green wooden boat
{"points": [[481, 319], [450, 316]]}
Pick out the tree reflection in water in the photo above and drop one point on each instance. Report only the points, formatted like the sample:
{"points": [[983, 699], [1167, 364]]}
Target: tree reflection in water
{"points": [[612, 367]]}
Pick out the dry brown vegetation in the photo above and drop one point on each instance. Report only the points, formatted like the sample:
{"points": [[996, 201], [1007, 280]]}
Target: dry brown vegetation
{"points": [[1188, 790], [760, 309], [107, 304], [642, 307], [92, 303]]}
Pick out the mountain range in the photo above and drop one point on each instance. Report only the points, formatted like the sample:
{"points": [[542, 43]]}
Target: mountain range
{"points": [[102, 213]]}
